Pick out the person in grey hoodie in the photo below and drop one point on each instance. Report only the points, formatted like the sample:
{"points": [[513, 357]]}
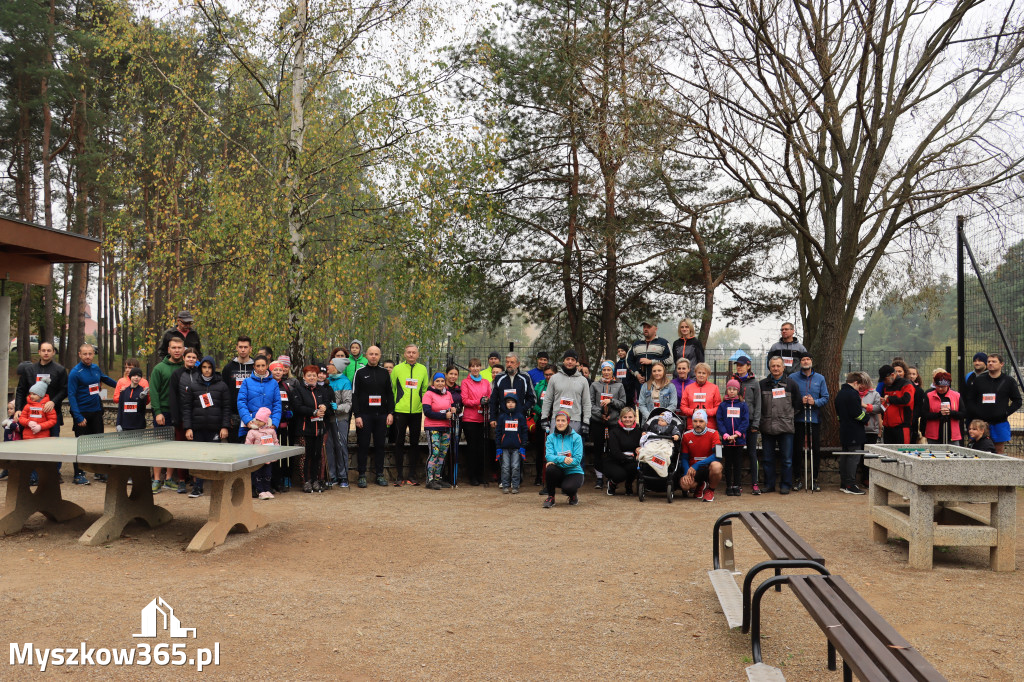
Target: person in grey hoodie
{"points": [[787, 348], [568, 391]]}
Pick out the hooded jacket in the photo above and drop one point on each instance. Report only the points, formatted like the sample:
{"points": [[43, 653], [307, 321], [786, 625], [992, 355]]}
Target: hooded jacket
{"points": [[698, 397], [265, 435], [899, 406], [30, 372], [733, 417], [752, 395], [520, 384], [558, 446], [691, 349], [791, 353], [613, 390], [177, 395], [208, 407], [473, 392], [852, 417], [160, 387], [435, 404], [511, 433], [131, 409], [355, 362], [257, 392], [780, 401], [33, 413], [342, 388], [569, 392]]}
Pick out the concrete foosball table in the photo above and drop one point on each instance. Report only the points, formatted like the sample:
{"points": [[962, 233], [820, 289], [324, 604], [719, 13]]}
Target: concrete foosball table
{"points": [[936, 480], [131, 455]]}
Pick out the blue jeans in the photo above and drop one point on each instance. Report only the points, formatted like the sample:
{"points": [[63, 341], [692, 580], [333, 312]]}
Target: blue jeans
{"points": [[511, 475], [785, 443]]}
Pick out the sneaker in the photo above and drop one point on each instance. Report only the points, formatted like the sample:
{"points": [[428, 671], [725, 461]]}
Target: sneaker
{"points": [[798, 485], [784, 490], [754, 490], [361, 482], [699, 492], [287, 482], [816, 488], [550, 502], [433, 485], [343, 484], [504, 490], [475, 482], [33, 479], [318, 486], [853, 490], [197, 491], [80, 479], [737, 491], [574, 499], [441, 482], [409, 481], [157, 486], [729, 491], [266, 495], [611, 489], [515, 491], [100, 477], [382, 482], [599, 484], [307, 487], [171, 485], [709, 494], [182, 488], [542, 491], [328, 484]]}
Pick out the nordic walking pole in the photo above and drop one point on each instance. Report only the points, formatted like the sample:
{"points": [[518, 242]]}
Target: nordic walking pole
{"points": [[807, 453], [455, 454]]}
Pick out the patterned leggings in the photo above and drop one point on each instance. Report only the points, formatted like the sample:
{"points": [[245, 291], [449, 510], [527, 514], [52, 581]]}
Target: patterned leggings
{"points": [[439, 442]]}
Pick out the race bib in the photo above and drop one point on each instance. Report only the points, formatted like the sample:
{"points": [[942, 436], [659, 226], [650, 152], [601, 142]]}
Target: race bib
{"points": [[266, 439], [512, 425], [988, 398], [606, 396], [658, 460], [131, 408], [566, 403], [700, 397], [284, 396], [412, 384], [205, 400], [35, 412], [657, 403], [510, 391], [40, 377], [620, 374], [732, 412], [788, 362], [94, 389], [238, 382], [778, 393], [374, 401]]}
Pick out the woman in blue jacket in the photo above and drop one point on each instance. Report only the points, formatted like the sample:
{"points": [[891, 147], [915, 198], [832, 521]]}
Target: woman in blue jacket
{"points": [[564, 455], [258, 390]]}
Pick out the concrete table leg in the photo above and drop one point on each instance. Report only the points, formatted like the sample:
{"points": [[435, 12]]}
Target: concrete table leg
{"points": [[121, 507], [922, 529], [22, 502], [877, 497], [1004, 519], [230, 508]]}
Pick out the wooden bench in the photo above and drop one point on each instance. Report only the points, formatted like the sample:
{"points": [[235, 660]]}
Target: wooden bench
{"points": [[871, 648], [784, 547]]}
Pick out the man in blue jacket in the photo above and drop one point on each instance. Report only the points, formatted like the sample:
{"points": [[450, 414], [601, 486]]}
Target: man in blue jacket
{"points": [[84, 382], [813, 396]]}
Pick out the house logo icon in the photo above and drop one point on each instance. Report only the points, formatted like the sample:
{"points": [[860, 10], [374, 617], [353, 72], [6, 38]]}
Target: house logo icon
{"points": [[157, 615]]}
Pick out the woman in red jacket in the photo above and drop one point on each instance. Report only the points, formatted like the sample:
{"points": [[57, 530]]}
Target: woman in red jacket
{"points": [[701, 395]]}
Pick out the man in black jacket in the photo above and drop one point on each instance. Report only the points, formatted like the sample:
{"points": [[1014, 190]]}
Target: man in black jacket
{"points": [[182, 330], [31, 372], [234, 373], [373, 406], [993, 397], [852, 418]]}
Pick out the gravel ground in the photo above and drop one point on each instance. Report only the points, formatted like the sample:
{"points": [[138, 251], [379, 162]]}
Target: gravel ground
{"points": [[383, 584]]}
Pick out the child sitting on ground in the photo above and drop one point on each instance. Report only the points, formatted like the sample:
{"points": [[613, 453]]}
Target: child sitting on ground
{"points": [[978, 432], [35, 422], [262, 432]]}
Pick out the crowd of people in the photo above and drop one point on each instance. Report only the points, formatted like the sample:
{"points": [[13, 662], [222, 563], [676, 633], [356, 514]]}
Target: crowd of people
{"points": [[652, 410]]}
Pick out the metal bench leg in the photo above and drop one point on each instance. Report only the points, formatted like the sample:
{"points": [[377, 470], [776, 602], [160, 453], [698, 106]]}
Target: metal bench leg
{"points": [[755, 627], [724, 519], [778, 572], [778, 565], [847, 672], [832, 656]]}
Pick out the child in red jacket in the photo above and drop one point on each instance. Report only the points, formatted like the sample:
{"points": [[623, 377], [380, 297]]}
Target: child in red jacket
{"points": [[35, 422]]}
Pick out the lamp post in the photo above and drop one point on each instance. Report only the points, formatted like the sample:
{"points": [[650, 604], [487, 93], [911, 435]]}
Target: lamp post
{"points": [[861, 333]]}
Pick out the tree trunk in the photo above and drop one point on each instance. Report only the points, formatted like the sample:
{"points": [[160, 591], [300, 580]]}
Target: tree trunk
{"points": [[296, 270], [46, 333]]}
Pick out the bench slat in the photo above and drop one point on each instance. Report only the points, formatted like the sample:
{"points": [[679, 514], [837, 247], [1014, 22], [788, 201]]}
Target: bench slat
{"points": [[863, 637], [777, 539]]}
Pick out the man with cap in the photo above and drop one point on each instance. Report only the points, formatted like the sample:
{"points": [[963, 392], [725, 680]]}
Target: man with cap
{"points": [[182, 330], [644, 352], [537, 373], [898, 403], [409, 381], [751, 392], [813, 396], [568, 391], [980, 362], [493, 360], [622, 373]]}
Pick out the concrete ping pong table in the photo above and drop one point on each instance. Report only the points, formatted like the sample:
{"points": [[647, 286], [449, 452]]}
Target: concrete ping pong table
{"points": [[131, 455]]}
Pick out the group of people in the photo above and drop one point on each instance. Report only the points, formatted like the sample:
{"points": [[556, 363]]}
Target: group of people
{"points": [[651, 391]]}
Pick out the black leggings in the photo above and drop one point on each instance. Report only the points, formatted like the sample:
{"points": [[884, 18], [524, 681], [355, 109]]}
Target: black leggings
{"points": [[556, 477], [312, 467], [413, 421], [733, 459], [620, 470], [474, 449], [375, 426]]}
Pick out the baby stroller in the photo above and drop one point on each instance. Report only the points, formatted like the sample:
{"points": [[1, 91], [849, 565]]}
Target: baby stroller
{"points": [[659, 454]]}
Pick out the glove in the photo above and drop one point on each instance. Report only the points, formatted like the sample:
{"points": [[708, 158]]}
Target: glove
{"points": [[34, 427], [584, 429], [546, 425], [5, 423], [334, 406], [120, 428], [483, 401], [288, 414]]}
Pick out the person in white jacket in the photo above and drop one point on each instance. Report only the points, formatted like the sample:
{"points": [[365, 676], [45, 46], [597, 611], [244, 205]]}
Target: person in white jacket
{"points": [[568, 391]]}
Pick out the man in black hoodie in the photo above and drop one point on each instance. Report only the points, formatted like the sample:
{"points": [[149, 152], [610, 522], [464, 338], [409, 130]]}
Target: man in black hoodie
{"points": [[234, 373], [373, 406]]}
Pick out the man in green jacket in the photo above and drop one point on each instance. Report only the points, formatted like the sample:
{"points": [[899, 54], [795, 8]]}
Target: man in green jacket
{"points": [[409, 381], [160, 398], [356, 360]]}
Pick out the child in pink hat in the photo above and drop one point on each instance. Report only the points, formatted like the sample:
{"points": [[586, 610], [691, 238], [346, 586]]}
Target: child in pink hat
{"points": [[262, 432]]}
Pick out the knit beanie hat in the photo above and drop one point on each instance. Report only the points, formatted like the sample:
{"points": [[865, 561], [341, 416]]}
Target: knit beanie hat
{"points": [[340, 364], [285, 360], [40, 387], [732, 383], [700, 414], [607, 364], [263, 414], [571, 353]]}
